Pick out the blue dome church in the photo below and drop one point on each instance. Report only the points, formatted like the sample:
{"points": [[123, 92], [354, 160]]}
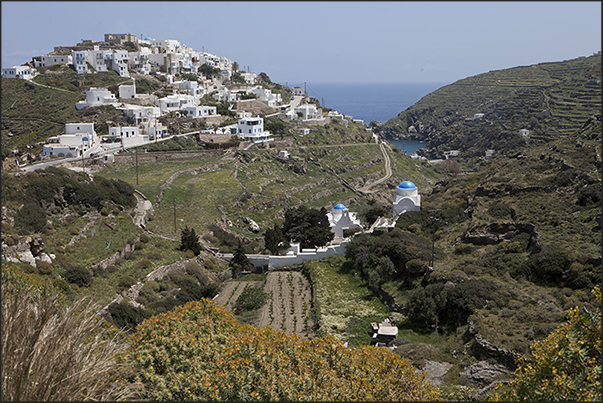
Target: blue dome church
{"points": [[407, 198]]}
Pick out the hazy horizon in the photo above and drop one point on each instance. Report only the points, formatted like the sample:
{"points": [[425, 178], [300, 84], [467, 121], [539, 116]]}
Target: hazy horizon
{"points": [[325, 42]]}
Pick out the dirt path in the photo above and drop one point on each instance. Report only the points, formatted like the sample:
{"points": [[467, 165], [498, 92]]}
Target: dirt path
{"points": [[388, 171]]}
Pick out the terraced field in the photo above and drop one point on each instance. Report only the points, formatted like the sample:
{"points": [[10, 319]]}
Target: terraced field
{"points": [[288, 306]]}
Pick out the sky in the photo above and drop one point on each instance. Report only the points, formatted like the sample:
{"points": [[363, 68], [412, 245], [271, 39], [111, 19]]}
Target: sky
{"points": [[325, 42]]}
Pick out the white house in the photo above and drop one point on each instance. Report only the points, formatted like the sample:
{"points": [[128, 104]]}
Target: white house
{"points": [[478, 116], [299, 91], [128, 91], [201, 111], [306, 112], [140, 114], [78, 138], [123, 131], [129, 135], [250, 78], [175, 102], [193, 88], [265, 95], [139, 61], [406, 198], [97, 97], [78, 58], [524, 132], [226, 95], [119, 62], [155, 130], [451, 153], [22, 72], [99, 59], [51, 60], [340, 219], [252, 128]]}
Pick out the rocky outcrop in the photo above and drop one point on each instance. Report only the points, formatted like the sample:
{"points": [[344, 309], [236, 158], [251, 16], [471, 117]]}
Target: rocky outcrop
{"points": [[483, 349], [495, 233], [484, 372], [434, 371], [25, 249], [253, 226]]}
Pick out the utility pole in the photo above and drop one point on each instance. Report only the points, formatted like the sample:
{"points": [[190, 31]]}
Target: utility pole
{"points": [[136, 166], [175, 231]]}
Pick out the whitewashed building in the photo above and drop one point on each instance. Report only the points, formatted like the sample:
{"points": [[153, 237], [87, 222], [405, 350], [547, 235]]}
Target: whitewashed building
{"points": [[80, 63], [175, 102], [201, 111], [128, 91], [97, 97], [252, 128], [341, 219], [406, 198], [265, 95], [305, 112], [78, 138], [22, 72], [51, 60]]}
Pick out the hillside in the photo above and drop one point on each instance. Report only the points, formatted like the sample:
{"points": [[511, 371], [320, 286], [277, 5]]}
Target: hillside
{"points": [[499, 252], [549, 99]]}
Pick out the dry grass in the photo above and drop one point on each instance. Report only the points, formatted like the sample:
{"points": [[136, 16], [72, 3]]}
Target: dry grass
{"points": [[51, 352]]}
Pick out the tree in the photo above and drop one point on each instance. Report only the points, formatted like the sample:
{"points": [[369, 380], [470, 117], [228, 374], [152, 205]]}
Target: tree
{"points": [[263, 77], [273, 238], [238, 78], [239, 261], [235, 66], [31, 217], [189, 241], [566, 365], [310, 227]]}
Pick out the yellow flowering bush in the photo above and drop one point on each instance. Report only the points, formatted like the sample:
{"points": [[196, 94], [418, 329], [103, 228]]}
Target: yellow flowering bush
{"points": [[566, 365], [200, 352]]}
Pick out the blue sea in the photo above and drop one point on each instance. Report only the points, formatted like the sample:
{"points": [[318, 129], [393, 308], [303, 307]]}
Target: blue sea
{"points": [[373, 102], [378, 102]]}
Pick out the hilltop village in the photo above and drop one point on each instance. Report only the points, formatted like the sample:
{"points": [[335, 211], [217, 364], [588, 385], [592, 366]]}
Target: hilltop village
{"points": [[191, 75]]}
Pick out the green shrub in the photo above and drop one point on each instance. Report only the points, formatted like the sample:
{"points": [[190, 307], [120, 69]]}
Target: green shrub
{"points": [[31, 218], [144, 238], [44, 267], [126, 316], [79, 275], [124, 282], [250, 299], [104, 211], [62, 285], [144, 264], [463, 249], [155, 256]]}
